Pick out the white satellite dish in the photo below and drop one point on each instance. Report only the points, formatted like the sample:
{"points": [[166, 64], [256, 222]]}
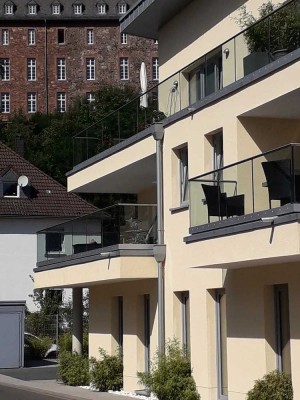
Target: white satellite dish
{"points": [[23, 181]]}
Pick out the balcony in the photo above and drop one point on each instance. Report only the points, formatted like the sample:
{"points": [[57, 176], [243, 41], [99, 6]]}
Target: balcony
{"points": [[257, 192], [213, 75], [124, 225]]}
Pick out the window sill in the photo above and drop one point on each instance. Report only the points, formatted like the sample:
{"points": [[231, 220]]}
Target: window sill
{"points": [[182, 207]]}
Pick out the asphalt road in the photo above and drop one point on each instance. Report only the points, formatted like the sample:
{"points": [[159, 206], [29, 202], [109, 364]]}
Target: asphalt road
{"points": [[12, 393]]}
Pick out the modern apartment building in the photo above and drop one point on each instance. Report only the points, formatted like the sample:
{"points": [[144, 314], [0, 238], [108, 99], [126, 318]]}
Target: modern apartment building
{"points": [[210, 253], [54, 51]]}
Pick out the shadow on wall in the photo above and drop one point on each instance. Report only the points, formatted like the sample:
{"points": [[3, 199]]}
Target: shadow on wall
{"points": [[196, 19]]}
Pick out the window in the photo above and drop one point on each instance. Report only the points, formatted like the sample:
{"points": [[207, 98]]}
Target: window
{"points": [[5, 103], [147, 332], [77, 9], [90, 69], [61, 69], [61, 102], [31, 37], [124, 68], [31, 69], [101, 8], [60, 36], [155, 65], [8, 9], [5, 69], [31, 103], [124, 38], [32, 9], [184, 175], [55, 9], [54, 242], [218, 156], [90, 36], [11, 189], [282, 328], [90, 96], [122, 8], [185, 300], [221, 327], [155, 41], [5, 37]]}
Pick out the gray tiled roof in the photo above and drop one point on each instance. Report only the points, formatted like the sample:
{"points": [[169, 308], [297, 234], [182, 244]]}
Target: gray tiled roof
{"points": [[49, 198], [44, 8]]}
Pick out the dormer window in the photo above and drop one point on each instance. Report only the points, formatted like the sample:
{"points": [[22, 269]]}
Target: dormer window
{"points": [[122, 7], [9, 9], [56, 9], [102, 8], [32, 9], [77, 9], [11, 189]]}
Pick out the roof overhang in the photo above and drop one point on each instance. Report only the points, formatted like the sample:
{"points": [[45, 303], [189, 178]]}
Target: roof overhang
{"points": [[146, 17]]}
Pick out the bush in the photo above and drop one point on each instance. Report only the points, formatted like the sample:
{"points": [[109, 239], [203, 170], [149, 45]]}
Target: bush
{"points": [[37, 347], [107, 373], [65, 343], [170, 375], [273, 386], [73, 369]]}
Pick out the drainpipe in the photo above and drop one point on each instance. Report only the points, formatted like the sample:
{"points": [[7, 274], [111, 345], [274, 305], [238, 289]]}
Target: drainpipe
{"points": [[159, 250], [46, 69]]}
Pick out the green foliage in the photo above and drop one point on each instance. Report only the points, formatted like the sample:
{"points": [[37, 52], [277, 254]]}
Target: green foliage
{"points": [[107, 373], [281, 31], [273, 386], [37, 347], [73, 369], [170, 375], [65, 343]]}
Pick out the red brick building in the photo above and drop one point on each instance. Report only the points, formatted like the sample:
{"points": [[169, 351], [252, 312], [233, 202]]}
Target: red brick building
{"points": [[52, 51]]}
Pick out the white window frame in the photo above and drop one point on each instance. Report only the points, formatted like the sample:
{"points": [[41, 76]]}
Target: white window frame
{"points": [[31, 103], [183, 175], [5, 37], [90, 36], [55, 9], [61, 69], [17, 192], [31, 69], [155, 69], [124, 68], [90, 97], [5, 63], [5, 103], [122, 8], [90, 69], [31, 37], [32, 9], [61, 102], [77, 9], [124, 38], [8, 9], [101, 9]]}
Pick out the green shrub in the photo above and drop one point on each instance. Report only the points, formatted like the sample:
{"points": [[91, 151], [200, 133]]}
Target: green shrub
{"points": [[107, 373], [73, 369], [65, 343], [273, 386], [170, 375], [37, 347]]}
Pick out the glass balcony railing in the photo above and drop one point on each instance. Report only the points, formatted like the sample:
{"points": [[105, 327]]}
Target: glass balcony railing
{"points": [[265, 41], [260, 183], [118, 224]]}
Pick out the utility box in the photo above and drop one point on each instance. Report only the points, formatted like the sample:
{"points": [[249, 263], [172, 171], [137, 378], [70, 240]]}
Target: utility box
{"points": [[12, 334]]}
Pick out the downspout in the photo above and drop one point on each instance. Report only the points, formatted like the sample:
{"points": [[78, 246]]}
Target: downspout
{"points": [[46, 69], [159, 250]]}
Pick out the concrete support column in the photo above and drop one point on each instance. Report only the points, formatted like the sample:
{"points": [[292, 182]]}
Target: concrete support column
{"points": [[77, 336]]}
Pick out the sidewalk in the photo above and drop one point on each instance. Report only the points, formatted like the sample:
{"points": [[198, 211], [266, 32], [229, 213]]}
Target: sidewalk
{"points": [[54, 387]]}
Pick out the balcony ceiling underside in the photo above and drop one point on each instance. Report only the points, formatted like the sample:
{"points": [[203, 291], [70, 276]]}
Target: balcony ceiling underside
{"points": [[286, 106], [147, 16], [133, 178]]}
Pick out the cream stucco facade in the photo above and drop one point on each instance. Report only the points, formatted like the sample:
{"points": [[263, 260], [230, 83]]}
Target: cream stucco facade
{"points": [[224, 277]]}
